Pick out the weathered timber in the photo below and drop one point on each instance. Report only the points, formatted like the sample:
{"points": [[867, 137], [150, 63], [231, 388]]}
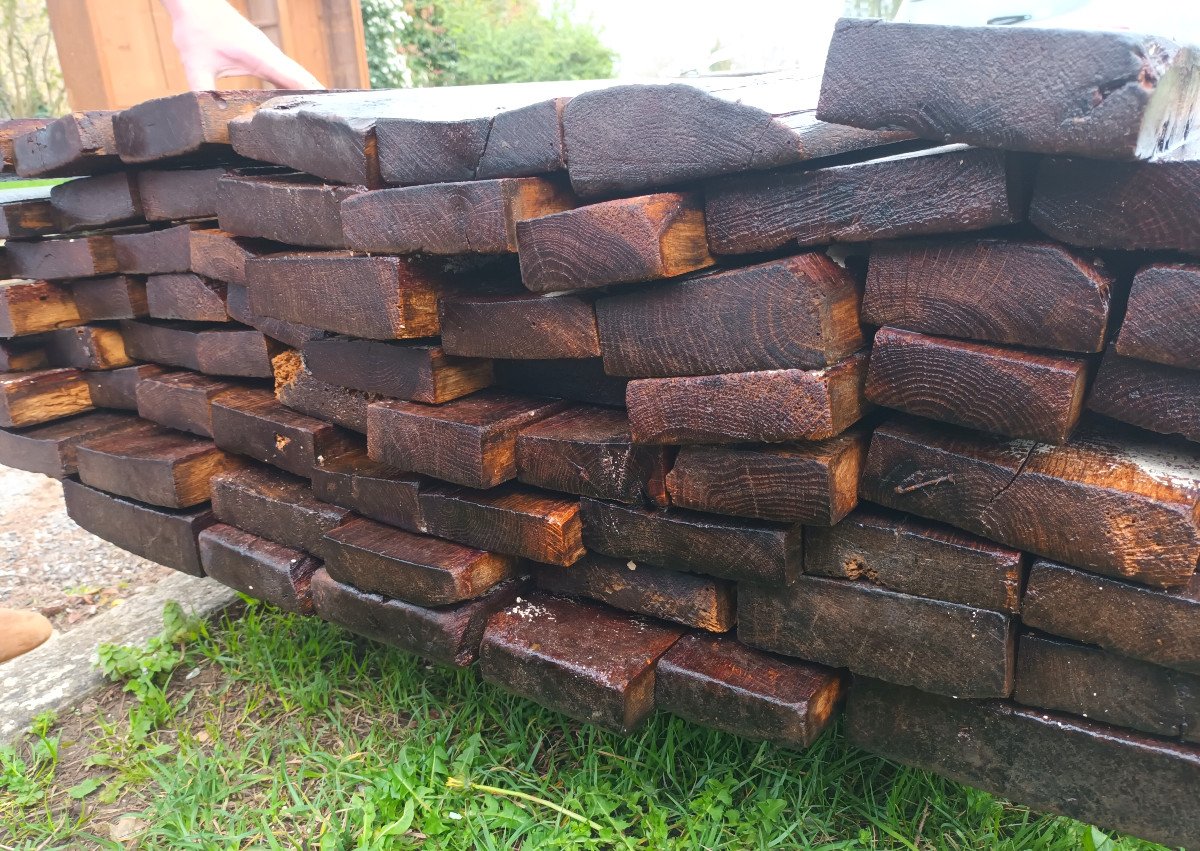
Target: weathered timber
{"points": [[217, 254], [10, 129], [155, 252], [186, 296], [154, 465], [447, 635], [696, 601], [292, 208], [158, 534], [522, 326], [946, 190], [475, 217], [95, 202], [275, 505], [22, 355], [628, 138], [731, 548], [1070, 502], [509, 519], [1101, 775], [379, 298], [586, 661], [86, 347], [214, 350], [258, 567], [50, 449], [252, 422], [180, 400], [1094, 683], [471, 441], [78, 143], [296, 388], [237, 305], [797, 313], [1157, 626], [1119, 205], [904, 554], [630, 239], [589, 451], [419, 372], [749, 407], [374, 490], [1162, 321], [32, 398], [117, 388], [64, 257], [979, 385], [812, 483], [717, 682], [189, 125], [421, 569], [578, 379], [31, 307], [178, 194], [1047, 91], [28, 213], [1036, 294], [1160, 398], [116, 297]]}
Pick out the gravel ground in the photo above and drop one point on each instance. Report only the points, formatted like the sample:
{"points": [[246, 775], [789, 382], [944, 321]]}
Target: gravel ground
{"points": [[49, 564]]}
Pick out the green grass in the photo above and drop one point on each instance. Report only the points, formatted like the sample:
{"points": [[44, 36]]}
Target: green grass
{"points": [[291, 733], [30, 184]]}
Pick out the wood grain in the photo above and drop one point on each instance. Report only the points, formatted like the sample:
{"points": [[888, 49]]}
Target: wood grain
{"points": [[63, 257], [116, 297], [28, 213], [258, 568], [78, 143], [576, 379], [117, 388], [50, 449], [86, 347], [237, 305], [177, 194], [296, 388], [292, 208], [96, 202], [22, 355], [32, 398], [418, 372], [373, 490], [10, 129], [215, 350], [217, 254], [523, 326], [180, 400], [155, 252], [1162, 320], [1163, 399], [31, 307], [186, 296]]}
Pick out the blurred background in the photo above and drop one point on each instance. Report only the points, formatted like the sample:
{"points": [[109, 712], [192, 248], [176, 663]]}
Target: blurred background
{"points": [[110, 54]]}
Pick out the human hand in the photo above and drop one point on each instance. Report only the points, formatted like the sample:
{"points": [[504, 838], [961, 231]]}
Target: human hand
{"points": [[215, 41]]}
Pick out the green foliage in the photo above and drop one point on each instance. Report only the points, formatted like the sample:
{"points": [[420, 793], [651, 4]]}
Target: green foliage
{"points": [[31, 83], [462, 42]]}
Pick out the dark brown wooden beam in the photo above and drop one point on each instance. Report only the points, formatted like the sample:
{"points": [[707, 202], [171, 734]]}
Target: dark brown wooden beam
{"points": [[276, 506], [117, 388], [186, 296], [86, 347], [78, 143], [50, 449], [1163, 399], [180, 400], [374, 490], [32, 398], [32, 307], [63, 257], [258, 567], [118, 297], [418, 372], [293, 208], [522, 326], [97, 202], [1162, 321], [155, 252]]}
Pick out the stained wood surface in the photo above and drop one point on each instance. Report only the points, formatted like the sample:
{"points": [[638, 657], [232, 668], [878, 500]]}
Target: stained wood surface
{"points": [[50, 449], [1162, 321], [1118, 780], [296, 388], [96, 202], [237, 305], [379, 298], [1094, 683], [1163, 399], [155, 252], [251, 422], [447, 635], [86, 347], [584, 660], [258, 567], [276, 506], [688, 599], [214, 350], [626, 138], [941, 647], [631, 239], [996, 389], [77, 143], [717, 682], [22, 355], [217, 254], [797, 313], [589, 451], [292, 208], [158, 534], [510, 519], [907, 555], [749, 407], [117, 388], [1142, 623], [180, 400], [28, 213], [1036, 294], [374, 490], [420, 569], [522, 326], [418, 372], [1071, 502], [32, 398], [154, 465], [470, 441], [186, 296], [1048, 91], [578, 379], [1119, 205], [31, 307], [178, 194], [10, 129], [811, 483], [65, 257], [475, 217], [116, 297], [946, 190]]}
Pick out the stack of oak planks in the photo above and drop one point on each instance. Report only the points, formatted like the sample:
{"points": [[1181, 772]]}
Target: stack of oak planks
{"points": [[588, 385]]}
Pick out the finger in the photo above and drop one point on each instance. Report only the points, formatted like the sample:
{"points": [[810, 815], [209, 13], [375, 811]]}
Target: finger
{"points": [[280, 70], [200, 77]]}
